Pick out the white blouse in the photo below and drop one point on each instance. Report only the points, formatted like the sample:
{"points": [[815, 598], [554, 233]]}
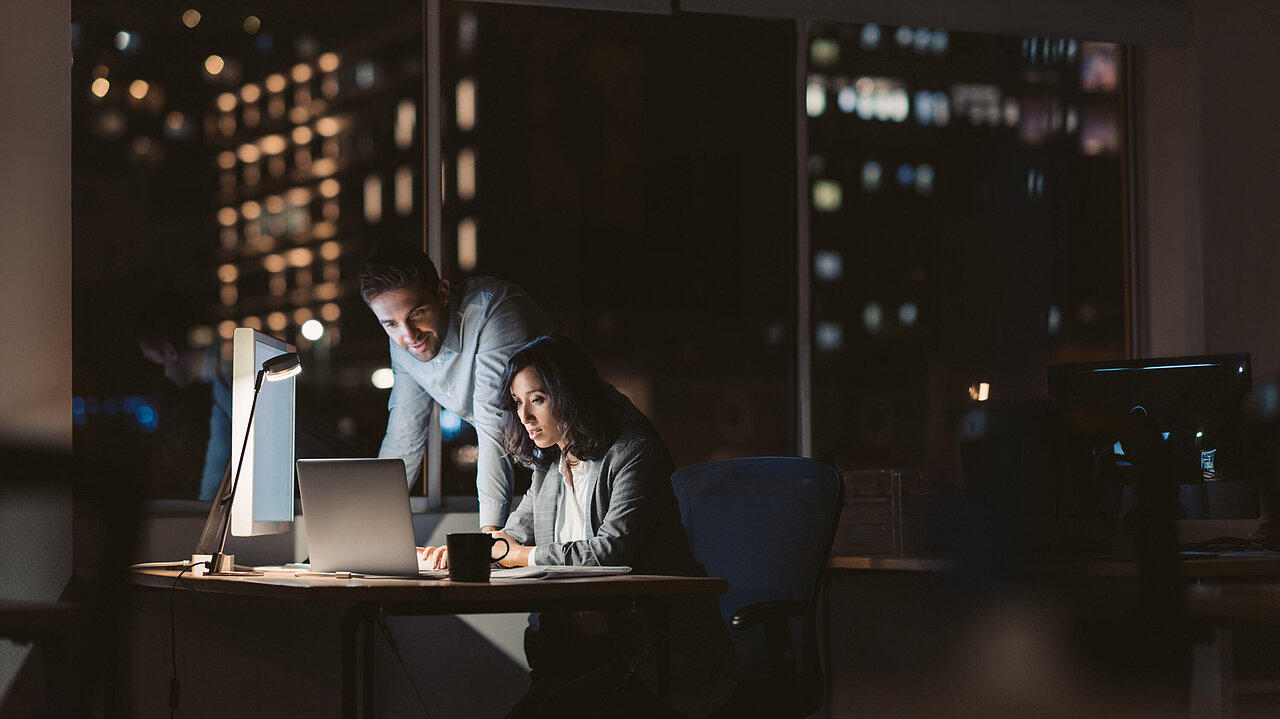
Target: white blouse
{"points": [[571, 506]]}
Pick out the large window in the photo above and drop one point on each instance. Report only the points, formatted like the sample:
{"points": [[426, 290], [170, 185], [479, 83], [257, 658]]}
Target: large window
{"points": [[231, 168], [967, 208], [962, 220], [634, 174]]}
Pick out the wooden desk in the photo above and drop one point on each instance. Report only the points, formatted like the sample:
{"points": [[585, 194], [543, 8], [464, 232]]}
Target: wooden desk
{"points": [[370, 598], [1223, 593], [1225, 607], [1210, 568]]}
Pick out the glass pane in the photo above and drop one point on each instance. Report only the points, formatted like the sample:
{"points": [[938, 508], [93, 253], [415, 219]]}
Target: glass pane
{"points": [[634, 175], [223, 166], [967, 209]]}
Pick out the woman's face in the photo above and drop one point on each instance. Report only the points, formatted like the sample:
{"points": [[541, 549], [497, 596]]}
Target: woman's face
{"points": [[533, 407]]}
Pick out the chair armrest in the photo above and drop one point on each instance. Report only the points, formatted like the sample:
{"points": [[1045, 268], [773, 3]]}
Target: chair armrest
{"points": [[761, 612]]}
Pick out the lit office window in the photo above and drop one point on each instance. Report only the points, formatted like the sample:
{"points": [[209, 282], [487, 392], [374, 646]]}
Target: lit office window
{"points": [[872, 174], [997, 128], [828, 266], [299, 257], [815, 98], [467, 244], [908, 313], [827, 195], [372, 199], [466, 173], [873, 317], [847, 99], [406, 123], [366, 73], [870, 36], [829, 336], [404, 190], [924, 179], [824, 52], [468, 29], [466, 104]]}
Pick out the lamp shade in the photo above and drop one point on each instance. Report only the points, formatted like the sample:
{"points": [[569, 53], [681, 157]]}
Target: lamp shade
{"points": [[282, 366]]}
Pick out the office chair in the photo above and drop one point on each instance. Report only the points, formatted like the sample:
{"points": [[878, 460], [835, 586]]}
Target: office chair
{"points": [[765, 524]]}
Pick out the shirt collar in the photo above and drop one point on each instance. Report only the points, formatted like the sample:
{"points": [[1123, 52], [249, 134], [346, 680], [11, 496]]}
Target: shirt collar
{"points": [[453, 338]]}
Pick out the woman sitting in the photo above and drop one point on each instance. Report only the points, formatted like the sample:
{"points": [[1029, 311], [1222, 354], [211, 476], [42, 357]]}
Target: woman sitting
{"points": [[601, 495]]}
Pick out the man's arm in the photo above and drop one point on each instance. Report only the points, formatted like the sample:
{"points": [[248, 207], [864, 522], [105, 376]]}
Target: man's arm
{"points": [[495, 482], [519, 530], [512, 322], [407, 423]]}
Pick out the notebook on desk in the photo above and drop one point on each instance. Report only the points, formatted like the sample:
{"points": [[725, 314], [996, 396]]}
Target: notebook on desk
{"points": [[358, 518]]}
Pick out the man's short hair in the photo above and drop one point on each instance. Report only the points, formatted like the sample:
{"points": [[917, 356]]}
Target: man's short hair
{"points": [[394, 265]]}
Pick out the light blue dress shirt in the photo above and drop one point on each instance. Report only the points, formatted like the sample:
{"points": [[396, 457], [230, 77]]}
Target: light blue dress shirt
{"points": [[489, 320]]}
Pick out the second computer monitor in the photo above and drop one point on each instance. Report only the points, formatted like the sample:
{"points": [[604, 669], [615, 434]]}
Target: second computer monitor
{"points": [[264, 496]]}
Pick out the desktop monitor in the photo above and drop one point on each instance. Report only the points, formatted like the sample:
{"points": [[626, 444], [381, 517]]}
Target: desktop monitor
{"points": [[1194, 405], [264, 498]]}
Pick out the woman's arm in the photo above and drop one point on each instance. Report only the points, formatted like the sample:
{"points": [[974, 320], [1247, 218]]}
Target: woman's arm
{"points": [[634, 479]]}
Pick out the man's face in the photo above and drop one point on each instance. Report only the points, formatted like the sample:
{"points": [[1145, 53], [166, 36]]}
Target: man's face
{"points": [[414, 318], [167, 356]]}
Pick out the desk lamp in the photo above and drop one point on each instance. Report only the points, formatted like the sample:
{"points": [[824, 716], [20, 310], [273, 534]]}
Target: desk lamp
{"points": [[273, 370]]}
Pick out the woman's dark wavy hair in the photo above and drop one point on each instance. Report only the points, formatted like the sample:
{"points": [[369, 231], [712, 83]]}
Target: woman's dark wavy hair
{"points": [[576, 396], [394, 265]]}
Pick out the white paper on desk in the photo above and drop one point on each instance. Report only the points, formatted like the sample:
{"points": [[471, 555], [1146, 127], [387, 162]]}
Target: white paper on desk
{"points": [[570, 572], [556, 572], [518, 573]]}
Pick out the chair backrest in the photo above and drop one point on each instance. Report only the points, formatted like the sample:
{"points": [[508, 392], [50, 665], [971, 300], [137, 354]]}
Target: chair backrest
{"points": [[765, 525]]}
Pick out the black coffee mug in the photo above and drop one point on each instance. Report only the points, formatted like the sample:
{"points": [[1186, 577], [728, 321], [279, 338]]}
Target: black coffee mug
{"points": [[471, 554]]}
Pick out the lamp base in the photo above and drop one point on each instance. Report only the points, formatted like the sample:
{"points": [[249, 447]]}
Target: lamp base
{"points": [[224, 565]]}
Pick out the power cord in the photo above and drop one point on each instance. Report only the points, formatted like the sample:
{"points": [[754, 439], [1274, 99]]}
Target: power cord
{"points": [[175, 687], [391, 642]]}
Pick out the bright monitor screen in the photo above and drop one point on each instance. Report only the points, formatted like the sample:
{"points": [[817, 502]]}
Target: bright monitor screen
{"points": [[264, 495]]}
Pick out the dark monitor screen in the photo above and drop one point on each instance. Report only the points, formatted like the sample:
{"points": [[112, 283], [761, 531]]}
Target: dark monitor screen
{"points": [[1193, 403]]}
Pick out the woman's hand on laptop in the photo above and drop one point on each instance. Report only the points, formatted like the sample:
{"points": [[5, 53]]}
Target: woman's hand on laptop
{"points": [[433, 557]]}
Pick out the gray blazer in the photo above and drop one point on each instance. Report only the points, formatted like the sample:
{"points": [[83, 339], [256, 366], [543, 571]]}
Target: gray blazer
{"points": [[634, 520]]}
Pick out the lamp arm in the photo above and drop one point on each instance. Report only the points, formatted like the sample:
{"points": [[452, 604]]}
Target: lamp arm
{"points": [[230, 497]]}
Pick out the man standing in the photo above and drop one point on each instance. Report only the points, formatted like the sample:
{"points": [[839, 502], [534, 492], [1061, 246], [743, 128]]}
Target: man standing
{"points": [[448, 345]]}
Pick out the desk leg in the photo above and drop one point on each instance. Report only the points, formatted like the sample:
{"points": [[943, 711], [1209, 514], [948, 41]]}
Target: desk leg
{"points": [[1211, 677], [662, 647], [350, 620], [357, 617], [366, 686]]}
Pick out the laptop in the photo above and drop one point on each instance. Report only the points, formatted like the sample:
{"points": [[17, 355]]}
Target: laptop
{"points": [[358, 518]]}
